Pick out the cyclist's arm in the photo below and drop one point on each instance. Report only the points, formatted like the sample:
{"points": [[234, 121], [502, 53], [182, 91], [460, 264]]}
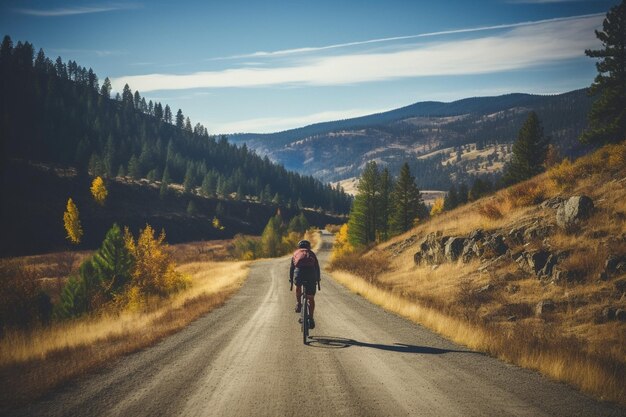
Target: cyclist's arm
{"points": [[291, 269], [317, 270]]}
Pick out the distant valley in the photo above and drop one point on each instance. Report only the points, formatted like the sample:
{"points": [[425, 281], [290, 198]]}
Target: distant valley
{"points": [[445, 143]]}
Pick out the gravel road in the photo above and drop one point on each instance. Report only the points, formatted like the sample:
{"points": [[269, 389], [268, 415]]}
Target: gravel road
{"points": [[247, 359]]}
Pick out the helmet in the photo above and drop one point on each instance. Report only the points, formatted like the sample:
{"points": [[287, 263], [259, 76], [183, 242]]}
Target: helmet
{"points": [[305, 244]]}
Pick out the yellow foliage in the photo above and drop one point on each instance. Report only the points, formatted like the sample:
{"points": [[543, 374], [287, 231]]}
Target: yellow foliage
{"points": [[437, 207], [342, 246], [290, 241], [98, 190], [606, 160], [153, 270], [71, 221], [217, 224]]}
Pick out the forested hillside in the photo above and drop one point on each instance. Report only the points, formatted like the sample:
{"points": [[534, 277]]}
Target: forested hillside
{"points": [[444, 143], [60, 128], [58, 113]]}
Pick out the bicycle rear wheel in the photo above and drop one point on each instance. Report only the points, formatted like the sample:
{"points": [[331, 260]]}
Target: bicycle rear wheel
{"points": [[305, 318]]}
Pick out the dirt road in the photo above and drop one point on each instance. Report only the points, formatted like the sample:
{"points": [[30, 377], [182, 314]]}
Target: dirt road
{"points": [[247, 359]]}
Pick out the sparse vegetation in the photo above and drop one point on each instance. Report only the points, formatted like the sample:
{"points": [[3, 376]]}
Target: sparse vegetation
{"points": [[31, 362], [561, 328]]}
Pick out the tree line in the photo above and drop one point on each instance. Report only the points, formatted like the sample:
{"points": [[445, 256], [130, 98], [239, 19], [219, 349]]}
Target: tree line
{"points": [[58, 112]]}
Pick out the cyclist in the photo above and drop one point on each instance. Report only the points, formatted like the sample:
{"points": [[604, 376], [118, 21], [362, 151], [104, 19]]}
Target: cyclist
{"points": [[306, 270]]}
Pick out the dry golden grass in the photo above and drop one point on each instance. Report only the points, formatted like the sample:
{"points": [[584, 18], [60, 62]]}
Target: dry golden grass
{"points": [[571, 343], [32, 363], [563, 361]]}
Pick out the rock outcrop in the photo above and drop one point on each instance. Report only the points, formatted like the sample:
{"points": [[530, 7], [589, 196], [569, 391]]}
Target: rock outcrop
{"points": [[574, 211]]}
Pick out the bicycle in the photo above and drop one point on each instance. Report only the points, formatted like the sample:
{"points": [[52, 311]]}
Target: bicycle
{"points": [[304, 312]]}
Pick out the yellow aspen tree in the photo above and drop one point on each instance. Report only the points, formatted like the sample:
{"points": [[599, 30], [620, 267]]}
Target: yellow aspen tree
{"points": [[71, 222], [98, 190], [437, 207]]}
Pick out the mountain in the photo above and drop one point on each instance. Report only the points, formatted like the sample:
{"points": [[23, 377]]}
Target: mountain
{"points": [[443, 142]]}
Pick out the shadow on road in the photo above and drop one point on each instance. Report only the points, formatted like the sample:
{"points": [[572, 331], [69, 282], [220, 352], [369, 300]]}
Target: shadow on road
{"points": [[330, 342]]}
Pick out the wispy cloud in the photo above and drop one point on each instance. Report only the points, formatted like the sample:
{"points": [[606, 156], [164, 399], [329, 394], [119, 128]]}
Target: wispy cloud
{"points": [[521, 47], [277, 124], [283, 52], [97, 52], [77, 10]]}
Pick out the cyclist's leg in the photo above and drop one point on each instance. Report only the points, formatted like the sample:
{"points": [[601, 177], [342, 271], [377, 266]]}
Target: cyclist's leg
{"points": [[311, 299], [298, 293]]}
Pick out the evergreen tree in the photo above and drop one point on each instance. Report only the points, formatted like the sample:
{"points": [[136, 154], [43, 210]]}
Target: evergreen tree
{"points": [[134, 170], [529, 152], [167, 114], [112, 262], [451, 199], [364, 214], [189, 180], [480, 189], [607, 118], [180, 119], [463, 194], [165, 182], [385, 204], [192, 208], [407, 202]]}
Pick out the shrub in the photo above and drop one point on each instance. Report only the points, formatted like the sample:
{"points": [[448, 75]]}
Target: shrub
{"points": [[246, 248], [525, 194], [368, 267], [491, 210], [153, 271], [22, 303]]}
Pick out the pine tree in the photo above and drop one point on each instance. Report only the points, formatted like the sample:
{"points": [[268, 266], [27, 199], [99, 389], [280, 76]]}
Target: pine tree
{"points": [[98, 190], [385, 204], [364, 214], [607, 118], [189, 180], [529, 152], [180, 119], [165, 182], [451, 200], [112, 262], [71, 222], [407, 202]]}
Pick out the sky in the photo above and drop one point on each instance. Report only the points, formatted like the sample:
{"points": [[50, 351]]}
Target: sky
{"points": [[267, 66]]}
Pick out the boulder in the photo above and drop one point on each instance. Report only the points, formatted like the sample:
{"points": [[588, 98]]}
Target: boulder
{"points": [[454, 248], [537, 232], [546, 271], [495, 244], [620, 314], [516, 236], [536, 260], [574, 211], [477, 234], [620, 286], [417, 258], [543, 307]]}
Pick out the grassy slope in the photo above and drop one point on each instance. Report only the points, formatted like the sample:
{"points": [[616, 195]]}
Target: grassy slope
{"points": [[33, 363], [571, 344]]}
